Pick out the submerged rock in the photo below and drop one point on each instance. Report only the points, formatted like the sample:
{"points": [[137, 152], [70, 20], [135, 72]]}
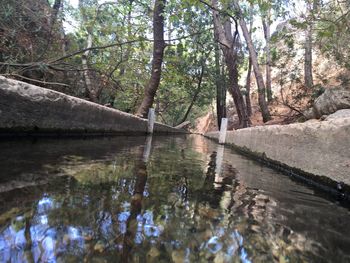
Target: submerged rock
{"points": [[99, 247], [153, 252], [178, 256]]}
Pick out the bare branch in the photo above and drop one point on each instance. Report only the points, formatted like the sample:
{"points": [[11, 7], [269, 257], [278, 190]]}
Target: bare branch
{"points": [[35, 80], [53, 61], [225, 13]]}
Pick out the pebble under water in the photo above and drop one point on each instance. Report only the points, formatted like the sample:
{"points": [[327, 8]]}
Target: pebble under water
{"points": [[160, 199]]}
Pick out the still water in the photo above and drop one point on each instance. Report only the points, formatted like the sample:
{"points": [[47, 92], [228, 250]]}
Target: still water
{"points": [[160, 199]]}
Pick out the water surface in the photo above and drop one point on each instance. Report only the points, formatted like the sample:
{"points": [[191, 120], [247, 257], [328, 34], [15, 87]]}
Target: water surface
{"points": [[161, 199]]}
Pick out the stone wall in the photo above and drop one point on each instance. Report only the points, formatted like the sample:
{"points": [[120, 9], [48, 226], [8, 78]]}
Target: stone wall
{"points": [[316, 150], [28, 109]]}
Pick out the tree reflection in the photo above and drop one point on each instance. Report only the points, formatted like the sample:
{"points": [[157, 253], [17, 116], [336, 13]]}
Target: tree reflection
{"points": [[136, 199], [216, 181], [172, 205]]}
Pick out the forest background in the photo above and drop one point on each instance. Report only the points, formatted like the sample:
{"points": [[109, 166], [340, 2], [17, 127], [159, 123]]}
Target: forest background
{"points": [[254, 61]]}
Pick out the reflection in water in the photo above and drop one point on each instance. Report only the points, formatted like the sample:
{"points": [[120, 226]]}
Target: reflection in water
{"points": [[184, 201], [134, 221]]}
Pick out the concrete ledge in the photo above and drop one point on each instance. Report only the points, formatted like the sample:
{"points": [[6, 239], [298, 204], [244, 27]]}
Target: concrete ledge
{"points": [[28, 109], [318, 152]]}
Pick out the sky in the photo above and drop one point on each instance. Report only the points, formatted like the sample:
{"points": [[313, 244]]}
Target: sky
{"points": [[74, 3], [70, 24]]}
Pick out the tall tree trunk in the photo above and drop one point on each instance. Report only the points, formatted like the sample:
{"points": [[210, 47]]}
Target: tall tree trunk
{"points": [[308, 78], [158, 52], [266, 26], [220, 89], [249, 71], [63, 42], [259, 78], [195, 96], [128, 48], [312, 8], [54, 14], [51, 24], [247, 97], [59, 5], [223, 35], [91, 92]]}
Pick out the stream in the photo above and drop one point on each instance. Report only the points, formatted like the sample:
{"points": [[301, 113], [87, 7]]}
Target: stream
{"points": [[161, 199]]}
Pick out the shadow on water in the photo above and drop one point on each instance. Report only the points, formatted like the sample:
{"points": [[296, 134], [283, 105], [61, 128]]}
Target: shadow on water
{"points": [[160, 199]]}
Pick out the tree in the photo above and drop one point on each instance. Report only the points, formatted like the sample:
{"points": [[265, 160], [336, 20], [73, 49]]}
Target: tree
{"points": [[249, 69], [196, 93], [266, 20], [220, 88], [228, 44], [259, 79], [158, 53], [92, 90], [187, 89], [308, 77], [332, 28]]}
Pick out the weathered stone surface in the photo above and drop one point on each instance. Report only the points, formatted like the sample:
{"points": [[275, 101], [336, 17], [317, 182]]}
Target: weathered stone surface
{"points": [[317, 148], [185, 125], [329, 102], [28, 108], [340, 114]]}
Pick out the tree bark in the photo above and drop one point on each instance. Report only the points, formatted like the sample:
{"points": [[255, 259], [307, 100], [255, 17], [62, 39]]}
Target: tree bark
{"points": [[128, 48], [312, 8], [57, 6], [308, 59], [249, 71], [220, 89], [247, 97], [223, 35], [259, 78], [54, 14], [91, 91], [158, 53], [266, 26]]}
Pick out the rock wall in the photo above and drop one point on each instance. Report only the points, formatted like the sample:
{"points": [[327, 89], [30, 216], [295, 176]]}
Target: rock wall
{"points": [[316, 150], [28, 109]]}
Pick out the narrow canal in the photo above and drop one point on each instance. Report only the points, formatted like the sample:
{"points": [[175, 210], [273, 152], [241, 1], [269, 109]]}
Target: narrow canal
{"points": [[160, 199]]}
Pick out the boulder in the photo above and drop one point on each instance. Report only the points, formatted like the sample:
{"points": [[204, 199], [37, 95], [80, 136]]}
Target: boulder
{"points": [[330, 101], [340, 114]]}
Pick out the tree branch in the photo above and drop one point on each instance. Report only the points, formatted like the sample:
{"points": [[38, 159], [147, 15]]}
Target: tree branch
{"points": [[52, 61], [225, 13], [34, 80]]}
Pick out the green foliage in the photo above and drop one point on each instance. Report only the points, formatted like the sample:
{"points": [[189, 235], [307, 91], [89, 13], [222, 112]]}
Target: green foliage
{"points": [[122, 69], [332, 27], [24, 30], [299, 24], [317, 91]]}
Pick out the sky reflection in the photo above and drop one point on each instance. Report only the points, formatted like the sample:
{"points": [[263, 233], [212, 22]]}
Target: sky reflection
{"points": [[178, 207]]}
